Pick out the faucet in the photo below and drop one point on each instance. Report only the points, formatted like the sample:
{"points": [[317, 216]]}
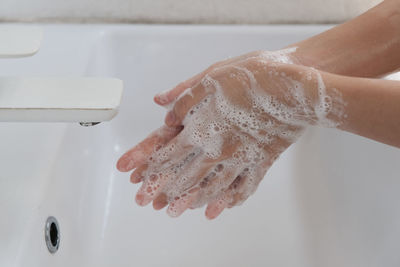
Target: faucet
{"points": [[88, 101]]}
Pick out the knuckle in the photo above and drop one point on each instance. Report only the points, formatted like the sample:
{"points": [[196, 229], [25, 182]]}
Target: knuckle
{"points": [[217, 74], [255, 63], [181, 106]]}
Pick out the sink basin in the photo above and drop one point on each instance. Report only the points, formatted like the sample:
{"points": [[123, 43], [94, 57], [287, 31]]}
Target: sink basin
{"points": [[330, 200]]}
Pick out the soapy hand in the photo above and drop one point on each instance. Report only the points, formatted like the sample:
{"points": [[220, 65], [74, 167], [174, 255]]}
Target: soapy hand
{"points": [[225, 128]]}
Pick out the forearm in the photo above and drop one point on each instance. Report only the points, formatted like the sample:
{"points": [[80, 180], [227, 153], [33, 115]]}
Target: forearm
{"points": [[372, 107], [367, 46]]}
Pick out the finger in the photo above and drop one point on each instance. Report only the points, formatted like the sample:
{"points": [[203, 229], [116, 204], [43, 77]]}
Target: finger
{"points": [[239, 189], [224, 185], [163, 170], [160, 202], [186, 102], [139, 154], [214, 184], [167, 97], [152, 186], [223, 200], [215, 208], [138, 174], [182, 203], [247, 182], [187, 178], [150, 189], [220, 174]]}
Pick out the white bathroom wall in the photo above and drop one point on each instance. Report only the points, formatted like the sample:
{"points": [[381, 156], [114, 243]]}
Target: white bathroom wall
{"points": [[185, 11]]}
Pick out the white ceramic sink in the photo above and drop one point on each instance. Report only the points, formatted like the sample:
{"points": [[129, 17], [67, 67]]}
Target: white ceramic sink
{"points": [[331, 199]]}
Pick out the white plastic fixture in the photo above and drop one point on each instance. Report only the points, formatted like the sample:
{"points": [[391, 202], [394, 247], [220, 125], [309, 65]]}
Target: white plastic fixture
{"points": [[35, 99], [19, 41]]}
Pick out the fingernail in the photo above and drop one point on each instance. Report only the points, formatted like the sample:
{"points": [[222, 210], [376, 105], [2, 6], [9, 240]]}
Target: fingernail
{"points": [[136, 178], [214, 210], [162, 97], [160, 202], [139, 199], [211, 215], [126, 163], [173, 212], [160, 205], [208, 215], [143, 199], [170, 118]]}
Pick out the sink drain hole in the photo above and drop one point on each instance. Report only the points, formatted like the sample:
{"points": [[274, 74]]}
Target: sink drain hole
{"points": [[52, 234]]}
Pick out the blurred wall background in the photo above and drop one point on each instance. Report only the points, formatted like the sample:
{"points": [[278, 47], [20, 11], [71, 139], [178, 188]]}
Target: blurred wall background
{"points": [[184, 11]]}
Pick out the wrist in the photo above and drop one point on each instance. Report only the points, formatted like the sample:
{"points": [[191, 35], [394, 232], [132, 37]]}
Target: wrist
{"points": [[310, 94], [323, 98]]}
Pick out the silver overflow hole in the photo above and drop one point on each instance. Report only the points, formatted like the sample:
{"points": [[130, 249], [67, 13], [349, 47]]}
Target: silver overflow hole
{"points": [[52, 234]]}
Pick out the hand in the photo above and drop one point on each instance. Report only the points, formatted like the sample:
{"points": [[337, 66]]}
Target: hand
{"points": [[351, 38], [138, 155], [237, 120]]}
